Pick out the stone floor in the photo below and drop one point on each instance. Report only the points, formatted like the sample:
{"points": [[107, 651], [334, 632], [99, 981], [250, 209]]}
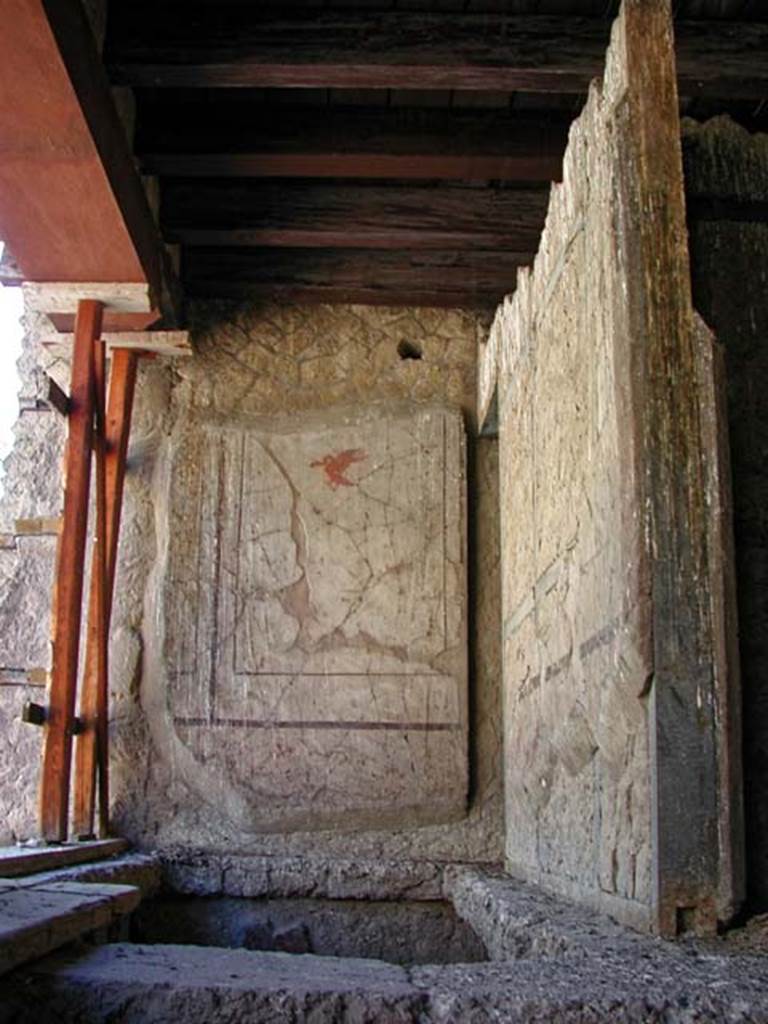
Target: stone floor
{"points": [[132, 983], [549, 961]]}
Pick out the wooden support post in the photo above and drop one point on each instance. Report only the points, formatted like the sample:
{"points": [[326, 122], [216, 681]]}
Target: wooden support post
{"points": [[98, 625], [95, 684], [92, 748], [54, 787]]}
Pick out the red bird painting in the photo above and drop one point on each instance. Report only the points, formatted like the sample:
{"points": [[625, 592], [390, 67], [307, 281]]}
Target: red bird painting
{"points": [[334, 466]]}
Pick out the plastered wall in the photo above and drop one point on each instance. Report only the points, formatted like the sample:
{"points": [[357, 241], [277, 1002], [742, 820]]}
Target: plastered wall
{"points": [[267, 362], [310, 664], [577, 659]]}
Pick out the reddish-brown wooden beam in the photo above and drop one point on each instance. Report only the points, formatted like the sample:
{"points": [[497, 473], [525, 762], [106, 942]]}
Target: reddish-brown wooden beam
{"points": [[72, 206], [244, 138], [91, 750], [470, 277], [89, 81], [253, 46], [68, 587], [352, 216]]}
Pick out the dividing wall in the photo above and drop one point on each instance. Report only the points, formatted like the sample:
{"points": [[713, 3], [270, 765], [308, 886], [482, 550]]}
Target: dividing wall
{"points": [[617, 758]]}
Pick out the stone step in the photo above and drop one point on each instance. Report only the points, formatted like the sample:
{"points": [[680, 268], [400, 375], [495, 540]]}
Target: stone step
{"points": [[135, 983], [37, 917], [26, 860], [142, 870]]}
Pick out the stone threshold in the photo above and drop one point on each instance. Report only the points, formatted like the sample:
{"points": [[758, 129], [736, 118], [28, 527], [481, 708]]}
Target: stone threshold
{"points": [[53, 895]]}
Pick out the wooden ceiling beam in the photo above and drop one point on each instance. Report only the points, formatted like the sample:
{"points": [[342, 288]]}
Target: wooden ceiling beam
{"points": [[248, 140], [414, 167], [475, 278], [315, 215], [255, 46]]}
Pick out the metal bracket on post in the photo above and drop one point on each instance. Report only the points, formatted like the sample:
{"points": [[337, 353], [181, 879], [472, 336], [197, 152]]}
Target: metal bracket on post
{"points": [[33, 714], [37, 714]]}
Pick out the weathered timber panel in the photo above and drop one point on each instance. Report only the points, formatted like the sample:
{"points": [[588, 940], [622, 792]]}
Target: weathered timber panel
{"points": [[446, 278], [726, 180], [397, 50], [355, 216], [613, 744]]}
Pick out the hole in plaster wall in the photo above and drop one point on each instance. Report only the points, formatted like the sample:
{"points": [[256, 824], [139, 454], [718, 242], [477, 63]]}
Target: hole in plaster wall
{"points": [[408, 350], [686, 920]]}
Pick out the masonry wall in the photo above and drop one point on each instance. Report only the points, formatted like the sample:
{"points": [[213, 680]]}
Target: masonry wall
{"points": [[577, 659], [726, 177], [267, 363], [31, 488], [616, 734]]}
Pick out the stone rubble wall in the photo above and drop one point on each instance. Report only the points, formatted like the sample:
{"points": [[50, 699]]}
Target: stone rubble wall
{"points": [[31, 489]]}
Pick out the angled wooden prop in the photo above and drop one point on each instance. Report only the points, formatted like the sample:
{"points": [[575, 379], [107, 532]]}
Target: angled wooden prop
{"points": [[54, 788], [92, 748]]}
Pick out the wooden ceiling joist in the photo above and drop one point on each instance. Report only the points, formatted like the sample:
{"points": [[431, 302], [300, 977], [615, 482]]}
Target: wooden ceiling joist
{"points": [[383, 150], [352, 216], [470, 277], [256, 46], [243, 139]]}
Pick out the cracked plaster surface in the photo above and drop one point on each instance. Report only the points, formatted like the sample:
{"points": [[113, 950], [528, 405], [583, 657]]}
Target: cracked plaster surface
{"points": [[577, 763], [615, 786], [313, 620], [253, 362], [284, 365]]}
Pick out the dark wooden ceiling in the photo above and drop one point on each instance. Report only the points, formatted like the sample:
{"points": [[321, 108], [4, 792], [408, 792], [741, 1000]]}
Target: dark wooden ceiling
{"points": [[384, 151]]}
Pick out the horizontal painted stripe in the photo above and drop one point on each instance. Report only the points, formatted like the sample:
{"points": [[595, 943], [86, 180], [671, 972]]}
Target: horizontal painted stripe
{"points": [[256, 723]]}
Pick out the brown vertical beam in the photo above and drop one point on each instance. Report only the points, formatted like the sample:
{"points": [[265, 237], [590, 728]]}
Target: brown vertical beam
{"points": [[54, 787], [95, 679], [669, 400], [92, 743], [98, 619]]}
